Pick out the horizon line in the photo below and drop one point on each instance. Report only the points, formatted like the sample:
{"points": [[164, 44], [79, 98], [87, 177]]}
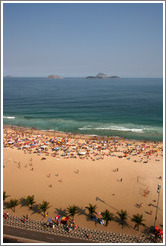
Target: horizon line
{"points": [[9, 76]]}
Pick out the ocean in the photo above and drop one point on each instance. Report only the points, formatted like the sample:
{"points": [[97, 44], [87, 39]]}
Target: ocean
{"points": [[128, 108]]}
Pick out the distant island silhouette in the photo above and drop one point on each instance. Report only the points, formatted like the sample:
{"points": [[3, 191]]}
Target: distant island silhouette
{"points": [[54, 77], [102, 76]]}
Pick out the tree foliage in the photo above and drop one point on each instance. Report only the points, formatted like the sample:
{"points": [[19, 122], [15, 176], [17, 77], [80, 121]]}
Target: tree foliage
{"points": [[123, 217], [91, 209], [72, 210], [107, 216], [13, 203], [138, 220], [30, 201], [44, 206]]}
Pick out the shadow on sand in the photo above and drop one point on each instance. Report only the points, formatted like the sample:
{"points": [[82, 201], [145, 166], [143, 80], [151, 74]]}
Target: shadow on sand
{"points": [[60, 211], [35, 209], [117, 220], [22, 202]]}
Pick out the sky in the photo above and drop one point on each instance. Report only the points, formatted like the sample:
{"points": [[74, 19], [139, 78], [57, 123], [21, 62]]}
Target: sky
{"points": [[82, 39]]}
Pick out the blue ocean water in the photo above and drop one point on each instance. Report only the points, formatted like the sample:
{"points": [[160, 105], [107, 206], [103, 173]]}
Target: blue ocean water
{"points": [[129, 108]]}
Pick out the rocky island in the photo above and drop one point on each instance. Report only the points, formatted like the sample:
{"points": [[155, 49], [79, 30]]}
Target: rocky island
{"points": [[102, 76], [54, 77]]}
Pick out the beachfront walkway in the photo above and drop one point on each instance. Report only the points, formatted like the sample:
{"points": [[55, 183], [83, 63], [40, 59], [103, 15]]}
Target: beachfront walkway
{"points": [[80, 233]]}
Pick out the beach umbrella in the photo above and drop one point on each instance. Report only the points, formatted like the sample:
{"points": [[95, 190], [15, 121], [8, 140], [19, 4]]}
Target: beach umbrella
{"points": [[64, 218], [56, 148], [57, 217], [82, 153], [44, 147], [156, 228], [101, 222], [99, 214], [26, 146], [10, 142], [160, 232]]}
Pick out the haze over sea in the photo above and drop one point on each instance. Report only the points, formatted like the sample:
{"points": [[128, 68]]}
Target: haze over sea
{"points": [[129, 108]]}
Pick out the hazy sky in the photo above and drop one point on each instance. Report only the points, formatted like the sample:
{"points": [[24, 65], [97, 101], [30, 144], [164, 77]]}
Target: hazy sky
{"points": [[81, 39]]}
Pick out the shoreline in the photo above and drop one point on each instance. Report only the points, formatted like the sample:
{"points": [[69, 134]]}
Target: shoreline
{"points": [[76, 135]]}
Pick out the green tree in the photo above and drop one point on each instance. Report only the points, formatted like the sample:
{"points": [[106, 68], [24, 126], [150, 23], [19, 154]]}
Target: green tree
{"points": [[29, 201], [123, 217], [91, 210], [72, 210], [13, 203], [138, 220], [107, 216], [44, 206]]}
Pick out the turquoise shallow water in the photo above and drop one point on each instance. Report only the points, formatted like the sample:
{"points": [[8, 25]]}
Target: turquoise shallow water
{"points": [[130, 108]]}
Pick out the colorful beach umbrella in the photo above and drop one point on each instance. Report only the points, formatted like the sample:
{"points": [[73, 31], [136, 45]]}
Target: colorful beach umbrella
{"points": [[57, 217]]}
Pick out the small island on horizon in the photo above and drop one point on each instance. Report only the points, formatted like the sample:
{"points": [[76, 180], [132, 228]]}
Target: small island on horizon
{"points": [[54, 77], [102, 76]]}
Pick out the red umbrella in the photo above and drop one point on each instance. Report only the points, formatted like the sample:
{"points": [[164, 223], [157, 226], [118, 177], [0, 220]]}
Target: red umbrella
{"points": [[160, 232], [57, 217]]}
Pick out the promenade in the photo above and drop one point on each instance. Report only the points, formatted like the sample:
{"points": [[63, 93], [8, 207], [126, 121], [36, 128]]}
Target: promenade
{"points": [[84, 234]]}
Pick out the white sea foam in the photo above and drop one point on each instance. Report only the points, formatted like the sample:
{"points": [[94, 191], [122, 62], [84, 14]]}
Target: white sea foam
{"points": [[9, 117], [114, 128]]}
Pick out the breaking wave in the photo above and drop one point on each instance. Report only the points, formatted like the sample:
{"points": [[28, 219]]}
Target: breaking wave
{"points": [[118, 128], [9, 117]]}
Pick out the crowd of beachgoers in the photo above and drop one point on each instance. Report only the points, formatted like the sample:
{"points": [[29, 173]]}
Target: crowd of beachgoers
{"points": [[74, 147]]}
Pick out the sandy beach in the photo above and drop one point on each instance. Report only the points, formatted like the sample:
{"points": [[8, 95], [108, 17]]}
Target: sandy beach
{"points": [[69, 169]]}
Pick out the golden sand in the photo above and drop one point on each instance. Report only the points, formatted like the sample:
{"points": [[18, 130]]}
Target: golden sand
{"points": [[90, 178]]}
